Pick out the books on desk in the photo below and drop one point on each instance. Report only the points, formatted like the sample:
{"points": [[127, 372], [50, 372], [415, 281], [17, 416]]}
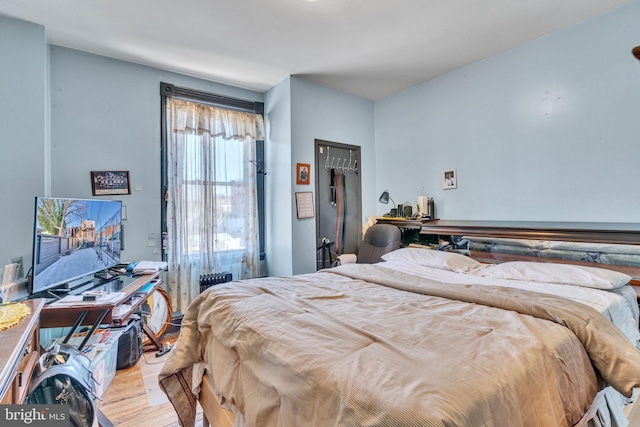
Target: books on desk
{"points": [[149, 267]]}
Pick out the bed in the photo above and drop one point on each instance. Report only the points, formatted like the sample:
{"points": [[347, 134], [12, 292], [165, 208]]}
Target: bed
{"points": [[426, 338]]}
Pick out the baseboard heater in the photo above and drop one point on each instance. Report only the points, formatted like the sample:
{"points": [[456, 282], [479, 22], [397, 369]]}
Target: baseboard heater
{"points": [[208, 280]]}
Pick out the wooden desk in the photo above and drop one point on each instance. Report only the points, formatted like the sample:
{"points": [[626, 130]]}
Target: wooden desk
{"points": [[19, 354], [410, 224]]}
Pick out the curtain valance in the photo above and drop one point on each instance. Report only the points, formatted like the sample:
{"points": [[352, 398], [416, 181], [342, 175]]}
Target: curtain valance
{"points": [[216, 121]]}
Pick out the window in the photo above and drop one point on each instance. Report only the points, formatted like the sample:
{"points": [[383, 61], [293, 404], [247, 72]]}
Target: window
{"points": [[213, 183]]}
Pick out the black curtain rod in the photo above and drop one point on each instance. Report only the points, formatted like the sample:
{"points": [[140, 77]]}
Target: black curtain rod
{"points": [[167, 89]]}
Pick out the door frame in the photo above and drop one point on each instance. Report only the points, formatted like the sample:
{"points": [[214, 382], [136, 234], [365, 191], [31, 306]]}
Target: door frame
{"points": [[320, 166]]}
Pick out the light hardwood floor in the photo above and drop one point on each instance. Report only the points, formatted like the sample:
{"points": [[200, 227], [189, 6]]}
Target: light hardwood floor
{"points": [[125, 400]]}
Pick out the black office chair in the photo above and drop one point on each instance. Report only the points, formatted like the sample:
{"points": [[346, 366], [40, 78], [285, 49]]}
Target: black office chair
{"points": [[378, 240]]}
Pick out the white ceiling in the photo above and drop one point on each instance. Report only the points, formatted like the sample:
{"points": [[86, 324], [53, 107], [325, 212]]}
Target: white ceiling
{"points": [[370, 48]]}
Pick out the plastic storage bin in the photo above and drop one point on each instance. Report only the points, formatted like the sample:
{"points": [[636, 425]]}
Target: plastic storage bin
{"points": [[102, 350], [103, 365]]}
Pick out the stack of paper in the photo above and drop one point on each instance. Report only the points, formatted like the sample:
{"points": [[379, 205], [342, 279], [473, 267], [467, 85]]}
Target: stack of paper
{"points": [[76, 300], [148, 267]]}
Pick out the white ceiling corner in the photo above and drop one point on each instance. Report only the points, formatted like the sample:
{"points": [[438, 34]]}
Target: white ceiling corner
{"points": [[370, 48]]}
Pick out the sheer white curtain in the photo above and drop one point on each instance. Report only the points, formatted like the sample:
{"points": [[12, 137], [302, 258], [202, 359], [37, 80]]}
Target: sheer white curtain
{"points": [[212, 217]]}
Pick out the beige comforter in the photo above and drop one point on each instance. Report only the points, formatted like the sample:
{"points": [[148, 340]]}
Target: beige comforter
{"points": [[360, 345]]}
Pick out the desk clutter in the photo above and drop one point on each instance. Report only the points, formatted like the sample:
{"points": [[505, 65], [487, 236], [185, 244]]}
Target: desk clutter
{"points": [[106, 328], [108, 349], [101, 340], [423, 209], [146, 267], [101, 350], [89, 297]]}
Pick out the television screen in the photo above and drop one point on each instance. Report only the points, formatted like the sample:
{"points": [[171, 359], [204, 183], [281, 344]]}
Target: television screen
{"points": [[73, 238]]}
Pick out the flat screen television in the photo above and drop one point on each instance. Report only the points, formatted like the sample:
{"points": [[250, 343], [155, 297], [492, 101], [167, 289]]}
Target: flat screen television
{"points": [[72, 239]]}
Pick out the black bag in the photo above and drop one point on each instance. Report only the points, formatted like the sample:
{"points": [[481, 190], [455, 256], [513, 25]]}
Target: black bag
{"points": [[63, 377], [130, 343]]}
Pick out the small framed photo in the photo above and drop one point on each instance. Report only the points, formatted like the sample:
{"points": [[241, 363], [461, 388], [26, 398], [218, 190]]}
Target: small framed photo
{"points": [[105, 183], [304, 204], [302, 173], [449, 179]]}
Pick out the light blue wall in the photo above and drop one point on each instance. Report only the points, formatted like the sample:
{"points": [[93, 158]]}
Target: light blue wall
{"points": [[546, 131], [279, 259], [319, 112], [23, 133], [300, 111], [105, 115]]}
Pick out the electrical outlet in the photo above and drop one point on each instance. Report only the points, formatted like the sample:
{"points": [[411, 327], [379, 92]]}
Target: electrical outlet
{"points": [[152, 243]]}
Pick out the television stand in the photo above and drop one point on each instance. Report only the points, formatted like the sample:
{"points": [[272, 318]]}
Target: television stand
{"points": [[106, 277], [56, 294], [95, 313]]}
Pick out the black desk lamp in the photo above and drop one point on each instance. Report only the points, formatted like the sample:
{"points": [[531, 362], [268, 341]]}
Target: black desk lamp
{"points": [[384, 198]]}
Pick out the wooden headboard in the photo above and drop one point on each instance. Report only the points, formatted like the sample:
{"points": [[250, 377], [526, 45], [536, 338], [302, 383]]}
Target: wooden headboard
{"points": [[594, 232], [587, 232]]}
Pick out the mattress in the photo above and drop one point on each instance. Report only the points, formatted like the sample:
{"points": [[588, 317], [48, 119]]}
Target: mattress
{"points": [[619, 305], [382, 345]]}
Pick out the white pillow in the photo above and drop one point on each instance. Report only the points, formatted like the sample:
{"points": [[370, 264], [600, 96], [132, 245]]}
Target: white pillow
{"points": [[589, 277], [431, 258]]}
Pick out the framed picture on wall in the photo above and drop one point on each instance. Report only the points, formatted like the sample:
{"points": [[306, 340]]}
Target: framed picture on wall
{"points": [[449, 179], [304, 204], [105, 183], [302, 173]]}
